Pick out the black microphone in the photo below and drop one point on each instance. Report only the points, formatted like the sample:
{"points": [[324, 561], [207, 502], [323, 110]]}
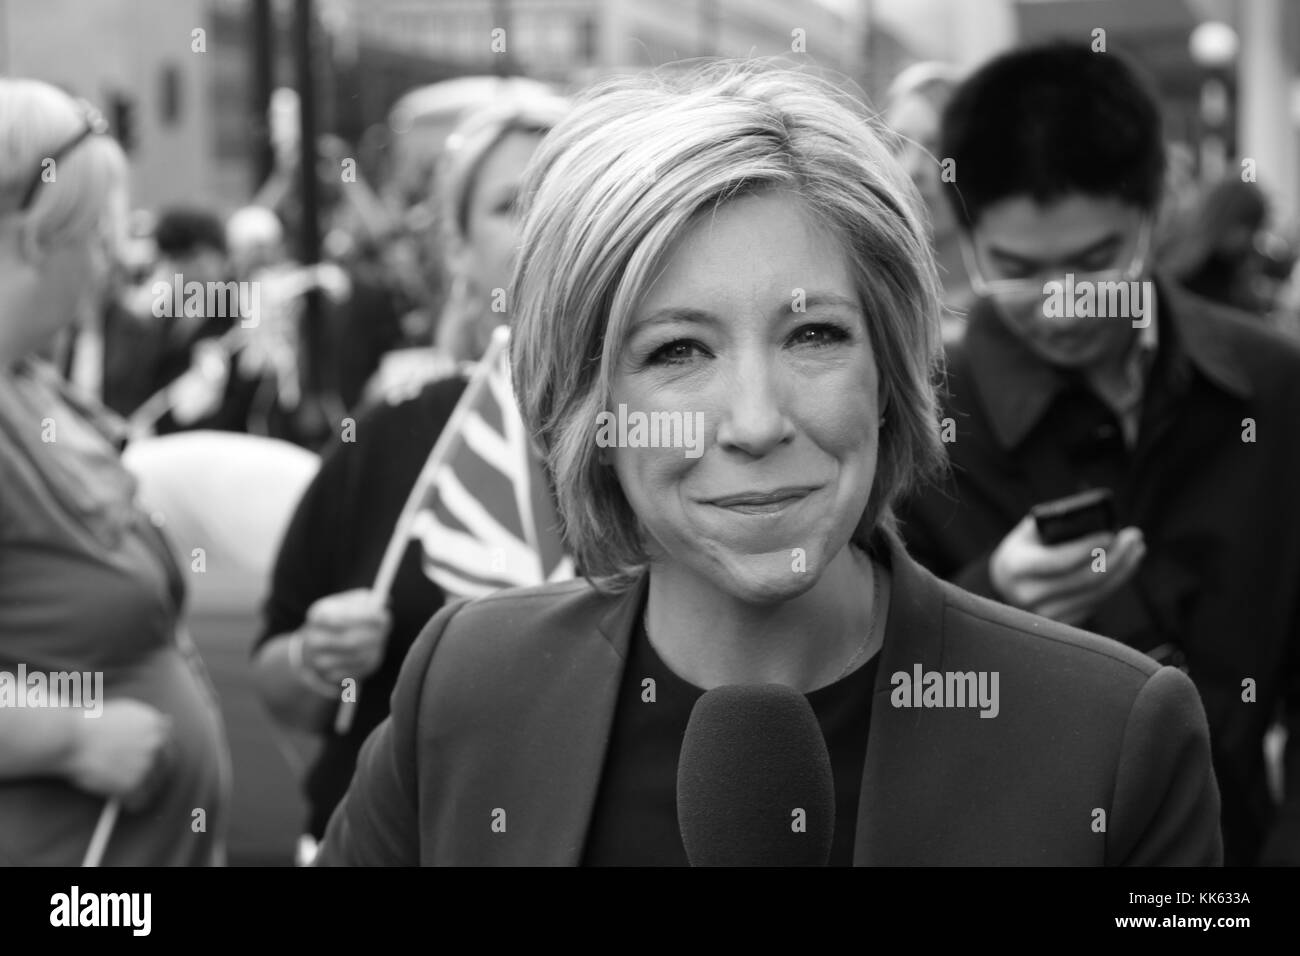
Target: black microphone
{"points": [[754, 781]]}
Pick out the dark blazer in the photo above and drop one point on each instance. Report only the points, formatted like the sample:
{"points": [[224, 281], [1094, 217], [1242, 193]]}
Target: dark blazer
{"points": [[1218, 588], [506, 704]]}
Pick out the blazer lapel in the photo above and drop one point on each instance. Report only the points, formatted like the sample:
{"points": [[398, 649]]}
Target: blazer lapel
{"points": [[893, 784], [541, 761]]}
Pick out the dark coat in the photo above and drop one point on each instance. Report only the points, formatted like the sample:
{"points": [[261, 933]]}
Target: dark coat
{"points": [[506, 704]]}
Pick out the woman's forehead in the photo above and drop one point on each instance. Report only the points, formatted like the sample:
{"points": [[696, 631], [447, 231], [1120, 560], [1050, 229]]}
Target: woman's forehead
{"points": [[761, 244]]}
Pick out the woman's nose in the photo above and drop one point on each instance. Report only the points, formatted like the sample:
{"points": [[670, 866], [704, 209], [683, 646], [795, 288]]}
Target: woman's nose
{"points": [[752, 412]]}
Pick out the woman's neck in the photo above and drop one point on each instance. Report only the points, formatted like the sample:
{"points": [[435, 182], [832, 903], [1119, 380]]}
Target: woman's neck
{"points": [[710, 638], [18, 339]]}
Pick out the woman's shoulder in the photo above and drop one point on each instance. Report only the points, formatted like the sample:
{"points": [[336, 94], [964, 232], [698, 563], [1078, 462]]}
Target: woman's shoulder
{"points": [[1088, 683], [508, 637], [1077, 723], [518, 615], [508, 652], [1027, 641]]}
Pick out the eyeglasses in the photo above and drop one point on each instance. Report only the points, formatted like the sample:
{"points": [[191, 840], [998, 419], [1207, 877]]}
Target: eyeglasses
{"points": [[1032, 286], [93, 124]]}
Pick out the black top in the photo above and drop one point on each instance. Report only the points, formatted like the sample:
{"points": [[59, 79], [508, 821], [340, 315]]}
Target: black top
{"points": [[634, 822], [336, 542]]}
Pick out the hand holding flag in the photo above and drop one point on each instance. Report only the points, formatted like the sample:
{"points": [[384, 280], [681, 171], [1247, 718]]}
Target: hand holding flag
{"points": [[480, 508]]}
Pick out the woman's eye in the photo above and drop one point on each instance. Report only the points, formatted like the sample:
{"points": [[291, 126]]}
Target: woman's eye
{"points": [[674, 352], [820, 334]]}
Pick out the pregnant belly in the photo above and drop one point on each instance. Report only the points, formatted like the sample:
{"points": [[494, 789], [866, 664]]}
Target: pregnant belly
{"points": [[49, 823]]}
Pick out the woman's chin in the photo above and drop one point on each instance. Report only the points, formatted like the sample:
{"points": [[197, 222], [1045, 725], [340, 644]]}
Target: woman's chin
{"points": [[770, 578]]}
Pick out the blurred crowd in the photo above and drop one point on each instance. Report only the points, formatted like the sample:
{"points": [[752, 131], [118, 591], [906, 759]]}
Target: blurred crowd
{"points": [[404, 280], [404, 298], [390, 302]]}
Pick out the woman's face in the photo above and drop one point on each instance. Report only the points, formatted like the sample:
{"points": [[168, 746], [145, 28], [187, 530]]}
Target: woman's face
{"points": [[754, 329], [488, 254]]}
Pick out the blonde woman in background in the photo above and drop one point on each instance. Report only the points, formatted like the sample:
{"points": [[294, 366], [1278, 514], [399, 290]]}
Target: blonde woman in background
{"points": [[478, 195], [458, 162], [88, 586], [322, 622]]}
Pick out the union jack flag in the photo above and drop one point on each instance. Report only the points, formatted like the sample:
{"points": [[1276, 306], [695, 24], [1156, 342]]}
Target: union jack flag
{"points": [[485, 518]]}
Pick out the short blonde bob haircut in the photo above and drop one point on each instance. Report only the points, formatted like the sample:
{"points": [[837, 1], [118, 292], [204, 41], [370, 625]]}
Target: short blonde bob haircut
{"points": [[623, 177]]}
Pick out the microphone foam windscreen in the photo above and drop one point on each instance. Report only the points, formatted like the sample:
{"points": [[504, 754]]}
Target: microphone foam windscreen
{"points": [[754, 780]]}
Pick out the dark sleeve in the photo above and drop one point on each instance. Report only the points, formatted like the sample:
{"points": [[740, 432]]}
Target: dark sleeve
{"points": [[307, 566], [377, 823], [1165, 811]]}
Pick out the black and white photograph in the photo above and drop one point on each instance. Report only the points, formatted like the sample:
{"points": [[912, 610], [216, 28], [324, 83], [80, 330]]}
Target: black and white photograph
{"points": [[645, 434]]}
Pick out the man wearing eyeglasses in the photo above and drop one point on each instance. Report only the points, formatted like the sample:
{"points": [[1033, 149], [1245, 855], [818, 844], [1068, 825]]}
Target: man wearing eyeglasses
{"points": [[1083, 370]]}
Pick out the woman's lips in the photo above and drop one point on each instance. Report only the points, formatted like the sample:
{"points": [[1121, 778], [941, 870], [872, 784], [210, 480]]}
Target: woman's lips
{"points": [[762, 502]]}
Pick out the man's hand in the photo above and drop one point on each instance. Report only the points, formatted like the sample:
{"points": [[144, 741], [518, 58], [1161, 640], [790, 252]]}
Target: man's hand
{"points": [[345, 635], [1058, 581], [125, 752]]}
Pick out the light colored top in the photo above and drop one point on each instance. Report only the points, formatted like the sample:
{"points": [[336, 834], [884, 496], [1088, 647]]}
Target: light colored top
{"points": [[87, 584]]}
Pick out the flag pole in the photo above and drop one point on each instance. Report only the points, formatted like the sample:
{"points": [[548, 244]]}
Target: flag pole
{"points": [[103, 832], [401, 538]]}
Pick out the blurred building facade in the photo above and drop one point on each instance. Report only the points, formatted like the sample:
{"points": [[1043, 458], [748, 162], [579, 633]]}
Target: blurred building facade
{"points": [[188, 118], [570, 41], [172, 95], [174, 76]]}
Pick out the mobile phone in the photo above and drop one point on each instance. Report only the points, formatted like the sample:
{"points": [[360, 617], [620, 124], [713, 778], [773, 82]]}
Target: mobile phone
{"points": [[1076, 516]]}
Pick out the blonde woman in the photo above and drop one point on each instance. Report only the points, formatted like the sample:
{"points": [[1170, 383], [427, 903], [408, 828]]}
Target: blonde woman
{"points": [[475, 192], [322, 623], [737, 244], [89, 594]]}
